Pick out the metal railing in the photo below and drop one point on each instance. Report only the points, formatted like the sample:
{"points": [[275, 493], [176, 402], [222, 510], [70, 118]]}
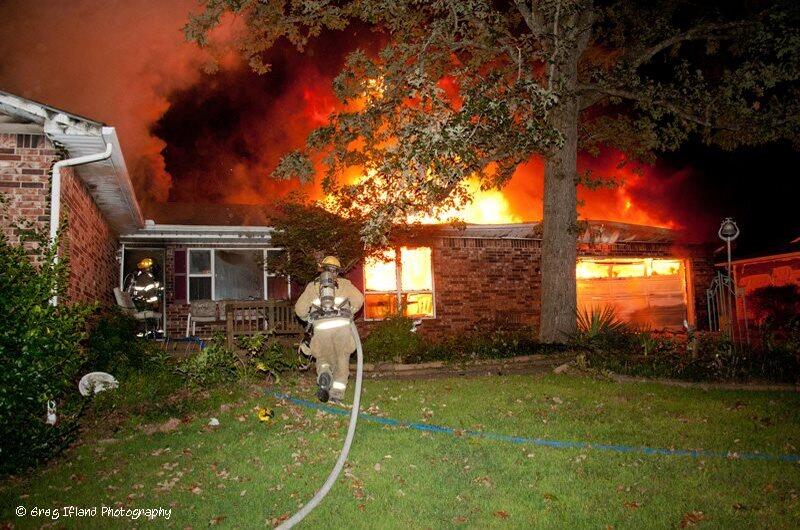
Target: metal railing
{"points": [[723, 298]]}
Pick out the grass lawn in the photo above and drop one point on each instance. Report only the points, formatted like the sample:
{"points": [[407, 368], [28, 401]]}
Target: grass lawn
{"points": [[248, 474]]}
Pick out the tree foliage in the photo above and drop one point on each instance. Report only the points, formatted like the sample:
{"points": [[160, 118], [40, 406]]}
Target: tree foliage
{"points": [[308, 232], [465, 89]]}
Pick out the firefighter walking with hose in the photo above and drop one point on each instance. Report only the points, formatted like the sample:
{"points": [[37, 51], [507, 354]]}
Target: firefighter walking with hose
{"points": [[331, 345]]}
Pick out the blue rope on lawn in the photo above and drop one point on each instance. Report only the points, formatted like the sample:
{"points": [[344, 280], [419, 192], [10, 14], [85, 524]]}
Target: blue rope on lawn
{"points": [[522, 440]]}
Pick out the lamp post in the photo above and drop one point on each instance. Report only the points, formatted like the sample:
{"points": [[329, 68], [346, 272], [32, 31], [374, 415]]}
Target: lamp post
{"points": [[728, 231]]}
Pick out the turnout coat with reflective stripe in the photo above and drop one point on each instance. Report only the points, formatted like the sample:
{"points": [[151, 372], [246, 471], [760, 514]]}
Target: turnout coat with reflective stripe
{"points": [[335, 341]]}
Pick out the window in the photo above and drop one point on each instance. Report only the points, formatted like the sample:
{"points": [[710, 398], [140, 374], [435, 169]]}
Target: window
{"points": [[391, 283], [238, 274], [230, 274], [200, 275]]}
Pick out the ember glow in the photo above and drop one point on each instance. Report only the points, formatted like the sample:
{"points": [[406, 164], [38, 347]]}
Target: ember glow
{"points": [[648, 292], [415, 287], [626, 268]]}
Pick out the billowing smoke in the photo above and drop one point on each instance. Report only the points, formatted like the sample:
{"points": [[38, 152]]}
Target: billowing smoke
{"points": [[114, 61], [226, 133], [191, 136]]}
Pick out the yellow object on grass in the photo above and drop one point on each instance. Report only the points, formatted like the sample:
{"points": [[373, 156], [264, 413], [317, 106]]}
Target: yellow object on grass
{"points": [[264, 415]]}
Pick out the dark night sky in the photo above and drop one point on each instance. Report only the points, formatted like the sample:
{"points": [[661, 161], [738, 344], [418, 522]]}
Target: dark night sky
{"points": [[758, 187]]}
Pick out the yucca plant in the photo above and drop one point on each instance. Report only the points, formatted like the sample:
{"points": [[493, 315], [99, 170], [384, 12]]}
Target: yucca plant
{"points": [[599, 323]]}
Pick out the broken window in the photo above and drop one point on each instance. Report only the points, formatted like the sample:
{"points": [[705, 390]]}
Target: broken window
{"points": [[238, 274], [395, 282]]}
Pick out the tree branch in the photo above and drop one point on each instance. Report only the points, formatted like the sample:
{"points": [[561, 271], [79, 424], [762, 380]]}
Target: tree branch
{"points": [[671, 107], [703, 32], [529, 17]]}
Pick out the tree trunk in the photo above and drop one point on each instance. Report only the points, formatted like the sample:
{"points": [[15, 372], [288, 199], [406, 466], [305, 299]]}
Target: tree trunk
{"points": [[559, 236]]}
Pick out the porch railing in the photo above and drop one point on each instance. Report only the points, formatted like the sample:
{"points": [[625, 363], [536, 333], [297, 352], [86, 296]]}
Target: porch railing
{"points": [[260, 316]]}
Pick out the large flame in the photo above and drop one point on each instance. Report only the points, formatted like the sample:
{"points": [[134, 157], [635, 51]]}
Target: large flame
{"points": [[486, 207]]}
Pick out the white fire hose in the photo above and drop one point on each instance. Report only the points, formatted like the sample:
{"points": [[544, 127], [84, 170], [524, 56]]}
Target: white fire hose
{"points": [[348, 441]]}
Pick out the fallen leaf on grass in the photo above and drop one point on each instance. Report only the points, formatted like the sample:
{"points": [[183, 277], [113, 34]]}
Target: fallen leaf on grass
{"points": [[216, 520], [631, 505], [460, 519], [501, 514], [484, 481], [692, 518]]}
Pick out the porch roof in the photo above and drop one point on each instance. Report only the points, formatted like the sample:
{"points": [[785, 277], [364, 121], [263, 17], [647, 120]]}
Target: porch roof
{"points": [[199, 234]]}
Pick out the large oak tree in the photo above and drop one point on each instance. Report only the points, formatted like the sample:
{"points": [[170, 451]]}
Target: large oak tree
{"points": [[469, 89]]}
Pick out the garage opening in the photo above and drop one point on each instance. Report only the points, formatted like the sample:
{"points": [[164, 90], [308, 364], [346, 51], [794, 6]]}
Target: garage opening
{"points": [[646, 292]]}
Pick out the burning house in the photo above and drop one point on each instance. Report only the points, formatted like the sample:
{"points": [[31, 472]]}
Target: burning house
{"points": [[454, 280]]}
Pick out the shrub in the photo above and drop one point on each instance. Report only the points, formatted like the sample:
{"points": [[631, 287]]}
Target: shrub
{"points": [[602, 329], [264, 353], [391, 340], [211, 365], [712, 358], [775, 306], [502, 343], [113, 345], [40, 353]]}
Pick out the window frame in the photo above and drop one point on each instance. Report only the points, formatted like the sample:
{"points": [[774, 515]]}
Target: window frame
{"points": [[398, 292], [265, 272]]}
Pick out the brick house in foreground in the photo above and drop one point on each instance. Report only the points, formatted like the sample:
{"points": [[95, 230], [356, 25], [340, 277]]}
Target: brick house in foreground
{"points": [[457, 281]]}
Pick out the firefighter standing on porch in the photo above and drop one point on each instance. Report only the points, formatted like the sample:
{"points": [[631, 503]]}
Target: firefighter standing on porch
{"points": [[331, 347]]}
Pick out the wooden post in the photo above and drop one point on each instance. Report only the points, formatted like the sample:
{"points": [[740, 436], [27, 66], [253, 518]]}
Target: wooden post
{"points": [[229, 322]]}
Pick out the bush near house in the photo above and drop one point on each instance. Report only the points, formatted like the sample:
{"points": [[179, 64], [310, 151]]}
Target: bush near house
{"points": [[113, 345], [46, 348], [40, 353], [604, 343], [392, 340]]}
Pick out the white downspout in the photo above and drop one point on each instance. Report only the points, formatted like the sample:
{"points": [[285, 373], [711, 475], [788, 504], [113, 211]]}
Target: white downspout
{"points": [[55, 191]]}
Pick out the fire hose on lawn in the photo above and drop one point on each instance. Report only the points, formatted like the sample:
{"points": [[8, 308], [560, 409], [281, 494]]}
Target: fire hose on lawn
{"points": [[348, 441]]}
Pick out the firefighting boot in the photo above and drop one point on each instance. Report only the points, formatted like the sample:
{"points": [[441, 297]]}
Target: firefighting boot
{"points": [[324, 385]]}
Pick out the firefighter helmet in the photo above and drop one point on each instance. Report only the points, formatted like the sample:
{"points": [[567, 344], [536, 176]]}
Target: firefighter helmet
{"points": [[331, 261], [146, 263]]}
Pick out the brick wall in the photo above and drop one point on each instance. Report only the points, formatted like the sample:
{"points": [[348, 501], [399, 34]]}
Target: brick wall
{"points": [[25, 173], [482, 283], [25, 162], [90, 243]]}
